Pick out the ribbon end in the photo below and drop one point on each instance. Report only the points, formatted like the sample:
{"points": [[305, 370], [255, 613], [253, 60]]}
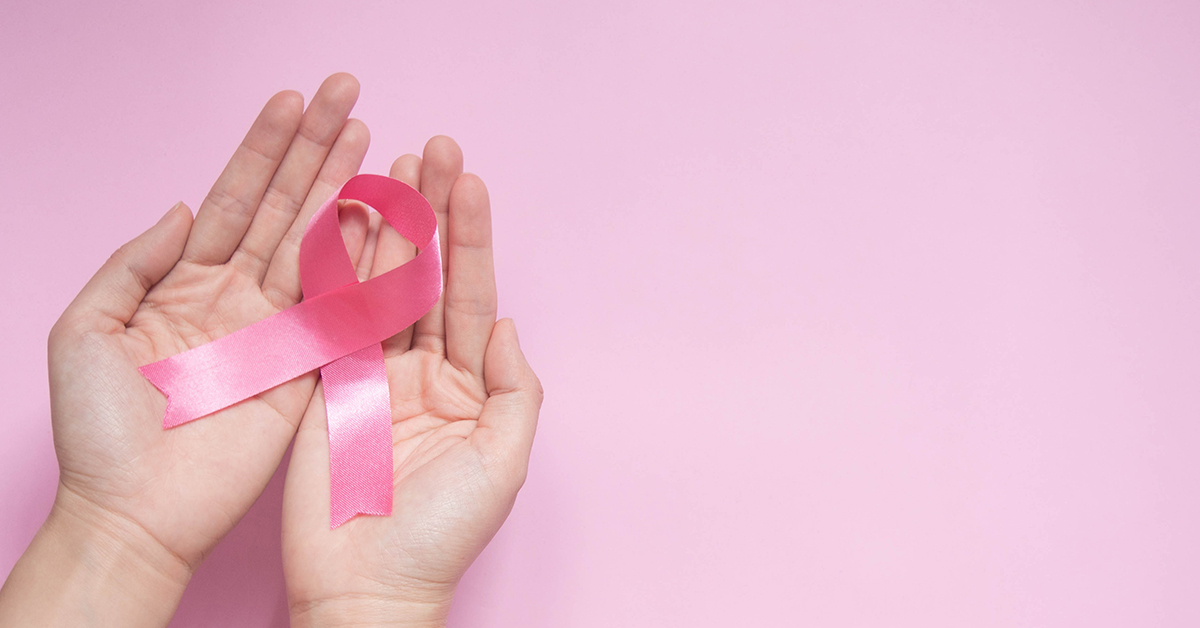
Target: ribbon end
{"points": [[171, 417], [339, 516], [174, 414]]}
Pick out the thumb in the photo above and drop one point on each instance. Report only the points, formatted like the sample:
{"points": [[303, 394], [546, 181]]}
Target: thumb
{"points": [[510, 415], [114, 293]]}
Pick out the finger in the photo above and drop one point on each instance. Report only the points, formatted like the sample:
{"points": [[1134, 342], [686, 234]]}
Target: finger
{"points": [[407, 168], [393, 250], [355, 223], [471, 281], [306, 487], [440, 168], [282, 282], [362, 270], [229, 207], [112, 296], [320, 127], [509, 419]]}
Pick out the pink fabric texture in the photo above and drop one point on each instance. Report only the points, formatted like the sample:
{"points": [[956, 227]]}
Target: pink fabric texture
{"points": [[336, 328]]}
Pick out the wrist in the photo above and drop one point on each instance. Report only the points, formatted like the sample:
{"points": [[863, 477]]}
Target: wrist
{"points": [[89, 566], [370, 612]]}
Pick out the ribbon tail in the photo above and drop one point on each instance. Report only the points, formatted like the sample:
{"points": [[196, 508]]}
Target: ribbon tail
{"points": [[183, 404], [359, 414]]}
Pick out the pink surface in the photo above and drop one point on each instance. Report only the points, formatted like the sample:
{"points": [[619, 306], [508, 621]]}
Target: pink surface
{"points": [[848, 315]]}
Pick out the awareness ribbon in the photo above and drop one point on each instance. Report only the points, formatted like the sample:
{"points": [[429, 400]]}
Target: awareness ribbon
{"points": [[337, 328]]}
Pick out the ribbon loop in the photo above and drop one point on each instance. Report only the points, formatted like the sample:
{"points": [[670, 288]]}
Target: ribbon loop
{"points": [[336, 328]]}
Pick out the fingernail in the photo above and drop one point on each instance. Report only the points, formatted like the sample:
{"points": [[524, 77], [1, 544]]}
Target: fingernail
{"points": [[170, 211]]}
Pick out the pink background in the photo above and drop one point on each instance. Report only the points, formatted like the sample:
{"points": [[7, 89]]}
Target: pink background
{"points": [[849, 314]]}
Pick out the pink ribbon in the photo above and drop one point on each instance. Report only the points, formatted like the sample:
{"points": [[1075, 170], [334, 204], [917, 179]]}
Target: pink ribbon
{"points": [[337, 328]]}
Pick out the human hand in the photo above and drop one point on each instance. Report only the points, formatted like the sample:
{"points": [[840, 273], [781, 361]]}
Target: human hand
{"points": [[464, 410], [163, 498]]}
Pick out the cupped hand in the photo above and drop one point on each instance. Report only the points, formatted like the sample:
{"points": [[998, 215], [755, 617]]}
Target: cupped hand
{"points": [[181, 284], [464, 409]]}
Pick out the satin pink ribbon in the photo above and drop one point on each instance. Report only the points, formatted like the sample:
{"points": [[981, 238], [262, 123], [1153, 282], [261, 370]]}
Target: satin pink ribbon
{"points": [[338, 329]]}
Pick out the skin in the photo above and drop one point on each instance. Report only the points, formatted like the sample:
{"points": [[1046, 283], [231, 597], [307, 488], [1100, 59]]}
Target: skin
{"points": [[464, 410], [138, 507]]}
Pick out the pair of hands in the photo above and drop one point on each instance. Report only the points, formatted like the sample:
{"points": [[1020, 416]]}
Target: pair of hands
{"points": [[142, 506]]}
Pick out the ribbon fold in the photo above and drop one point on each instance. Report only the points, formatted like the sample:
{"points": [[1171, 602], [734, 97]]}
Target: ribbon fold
{"points": [[337, 328]]}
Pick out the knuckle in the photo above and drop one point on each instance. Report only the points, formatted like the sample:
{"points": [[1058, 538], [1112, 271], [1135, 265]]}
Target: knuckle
{"points": [[119, 257], [228, 204], [69, 334], [538, 391], [60, 333]]}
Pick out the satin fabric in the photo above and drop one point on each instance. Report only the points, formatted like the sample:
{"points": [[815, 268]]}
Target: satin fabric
{"points": [[337, 328]]}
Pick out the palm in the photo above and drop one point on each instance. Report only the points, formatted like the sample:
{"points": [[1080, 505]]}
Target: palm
{"points": [[233, 266], [117, 453], [460, 439]]}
